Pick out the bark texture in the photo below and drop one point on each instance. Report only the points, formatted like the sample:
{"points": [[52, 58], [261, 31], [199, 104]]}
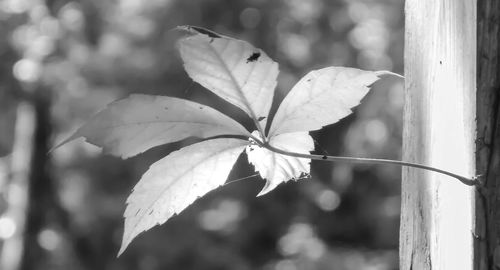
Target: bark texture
{"points": [[439, 130], [487, 214]]}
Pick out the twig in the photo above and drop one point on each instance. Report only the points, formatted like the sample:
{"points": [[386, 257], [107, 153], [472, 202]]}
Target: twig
{"points": [[465, 180]]}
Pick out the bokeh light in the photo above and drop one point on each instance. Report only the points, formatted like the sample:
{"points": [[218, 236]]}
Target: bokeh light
{"points": [[250, 18], [49, 239], [7, 227], [328, 200], [27, 70], [223, 217]]}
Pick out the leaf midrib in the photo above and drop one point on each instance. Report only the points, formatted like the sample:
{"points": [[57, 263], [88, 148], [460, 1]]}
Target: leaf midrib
{"points": [[160, 122], [238, 87]]}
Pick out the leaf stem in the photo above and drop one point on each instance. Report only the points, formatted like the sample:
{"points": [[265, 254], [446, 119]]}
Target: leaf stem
{"points": [[465, 180]]}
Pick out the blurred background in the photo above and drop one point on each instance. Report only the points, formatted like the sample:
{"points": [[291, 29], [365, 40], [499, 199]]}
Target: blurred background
{"points": [[61, 61]]}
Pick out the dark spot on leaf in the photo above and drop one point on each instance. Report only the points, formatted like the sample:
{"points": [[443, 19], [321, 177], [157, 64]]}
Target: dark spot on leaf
{"points": [[150, 212], [261, 118], [166, 108], [253, 57], [304, 175], [205, 31], [309, 80], [201, 108], [324, 157], [440, 62]]}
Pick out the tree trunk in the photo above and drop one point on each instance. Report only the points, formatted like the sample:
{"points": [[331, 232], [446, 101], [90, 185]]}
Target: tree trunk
{"points": [[439, 115], [30, 191], [487, 242], [42, 197]]}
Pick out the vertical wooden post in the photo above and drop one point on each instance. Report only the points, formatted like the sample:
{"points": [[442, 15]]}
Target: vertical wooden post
{"points": [[439, 116]]}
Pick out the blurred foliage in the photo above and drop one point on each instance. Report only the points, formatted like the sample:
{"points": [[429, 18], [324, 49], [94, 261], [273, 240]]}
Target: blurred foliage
{"points": [[91, 52]]}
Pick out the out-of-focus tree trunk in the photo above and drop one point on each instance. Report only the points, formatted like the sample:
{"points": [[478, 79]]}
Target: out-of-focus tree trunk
{"points": [[439, 130], [17, 193], [43, 238], [33, 205], [41, 192]]}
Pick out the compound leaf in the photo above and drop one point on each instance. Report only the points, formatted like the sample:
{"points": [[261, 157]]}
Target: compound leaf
{"points": [[244, 76]]}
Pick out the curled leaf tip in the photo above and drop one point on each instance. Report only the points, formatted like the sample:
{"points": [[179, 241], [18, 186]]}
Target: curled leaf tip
{"points": [[268, 187]]}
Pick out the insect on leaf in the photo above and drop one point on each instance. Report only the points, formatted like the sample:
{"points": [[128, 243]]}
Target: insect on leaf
{"points": [[233, 69], [322, 97], [277, 168], [135, 124], [174, 182]]}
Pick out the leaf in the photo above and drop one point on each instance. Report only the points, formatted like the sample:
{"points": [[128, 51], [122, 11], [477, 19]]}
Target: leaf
{"points": [[233, 69], [133, 125], [244, 76], [176, 181], [277, 168], [322, 97]]}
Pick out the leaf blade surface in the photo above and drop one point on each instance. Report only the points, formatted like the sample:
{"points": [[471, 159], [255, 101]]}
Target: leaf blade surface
{"points": [[174, 182], [135, 124], [322, 97], [232, 69], [276, 168]]}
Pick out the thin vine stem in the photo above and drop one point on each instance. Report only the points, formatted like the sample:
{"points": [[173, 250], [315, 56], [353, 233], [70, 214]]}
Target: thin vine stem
{"points": [[465, 180]]}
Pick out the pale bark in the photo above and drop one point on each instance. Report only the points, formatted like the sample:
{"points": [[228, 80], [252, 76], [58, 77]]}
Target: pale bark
{"points": [[439, 130]]}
